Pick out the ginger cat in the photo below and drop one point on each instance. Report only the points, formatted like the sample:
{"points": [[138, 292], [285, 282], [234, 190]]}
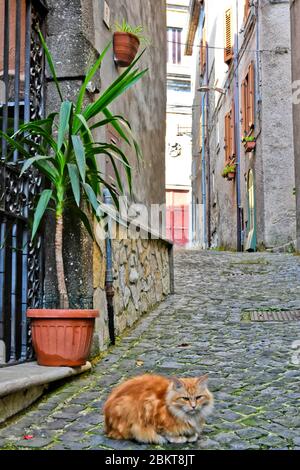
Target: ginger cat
{"points": [[155, 409]]}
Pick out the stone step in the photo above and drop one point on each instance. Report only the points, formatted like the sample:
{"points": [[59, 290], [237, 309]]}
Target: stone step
{"points": [[22, 384]]}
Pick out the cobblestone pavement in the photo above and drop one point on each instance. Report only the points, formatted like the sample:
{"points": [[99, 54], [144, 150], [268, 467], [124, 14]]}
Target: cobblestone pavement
{"points": [[253, 367]]}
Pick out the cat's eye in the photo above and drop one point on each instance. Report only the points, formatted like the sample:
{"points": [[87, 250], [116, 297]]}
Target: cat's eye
{"points": [[199, 397], [185, 398]]}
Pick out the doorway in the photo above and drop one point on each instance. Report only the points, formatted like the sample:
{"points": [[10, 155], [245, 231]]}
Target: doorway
{"points": [[251, 241]]}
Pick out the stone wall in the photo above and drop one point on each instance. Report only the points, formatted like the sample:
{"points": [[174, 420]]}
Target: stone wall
{"points": [[142, 272]]}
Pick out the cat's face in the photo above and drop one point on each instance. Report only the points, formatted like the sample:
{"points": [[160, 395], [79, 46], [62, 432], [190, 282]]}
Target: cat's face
{"points": [[190, 397]]}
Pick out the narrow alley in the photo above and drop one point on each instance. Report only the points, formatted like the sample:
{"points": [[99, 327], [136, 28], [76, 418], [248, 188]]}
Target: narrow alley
{"points": [[204, 327]]}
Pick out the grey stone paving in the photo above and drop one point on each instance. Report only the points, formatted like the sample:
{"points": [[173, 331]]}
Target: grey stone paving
{"points": [[253, 366]]}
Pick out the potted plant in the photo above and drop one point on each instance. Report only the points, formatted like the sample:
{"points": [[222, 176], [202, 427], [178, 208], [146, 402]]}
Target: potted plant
{"points": [[126, 42], [249, 143], [62, 148], [229, 171]]}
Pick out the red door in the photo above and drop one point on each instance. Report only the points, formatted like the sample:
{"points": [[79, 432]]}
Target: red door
{"points": [[177, 222]]}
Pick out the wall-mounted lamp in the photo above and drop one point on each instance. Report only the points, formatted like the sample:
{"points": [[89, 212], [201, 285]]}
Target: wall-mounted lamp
{"points": [[206, 88]]}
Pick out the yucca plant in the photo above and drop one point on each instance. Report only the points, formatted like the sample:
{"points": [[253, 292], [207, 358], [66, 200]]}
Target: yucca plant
{"points": [[63, 149]]}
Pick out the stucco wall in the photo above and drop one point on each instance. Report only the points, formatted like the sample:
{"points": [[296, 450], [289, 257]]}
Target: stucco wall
{"points": [[295, 36], [277, 126]]}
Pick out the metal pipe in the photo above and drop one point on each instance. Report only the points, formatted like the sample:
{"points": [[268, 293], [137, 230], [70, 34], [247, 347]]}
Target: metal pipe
{"points": [[204, 174], [237, 133], [257, 87], [208, 158], [109, 275]]}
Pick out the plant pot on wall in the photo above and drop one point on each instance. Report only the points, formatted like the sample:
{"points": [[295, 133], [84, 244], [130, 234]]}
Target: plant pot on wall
{"points": [[126, 46], [229, 171], [62, 337], [230, 176], [249, 145]]}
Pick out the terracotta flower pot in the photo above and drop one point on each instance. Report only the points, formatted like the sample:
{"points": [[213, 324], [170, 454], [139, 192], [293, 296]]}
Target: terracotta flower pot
{"points": [[230, 176], [249, 146], [126, 46], [62, 337]]}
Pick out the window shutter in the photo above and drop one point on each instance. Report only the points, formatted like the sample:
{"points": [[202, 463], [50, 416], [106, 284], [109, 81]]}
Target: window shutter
{"points": [[227, 137], [228, 50], [232, 131], [251, 104], [203, 51], [246, 104], [246, 10], [243, 111]]}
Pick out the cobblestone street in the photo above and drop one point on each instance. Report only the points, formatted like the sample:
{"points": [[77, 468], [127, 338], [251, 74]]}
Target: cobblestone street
{"points": [[203, 328]]}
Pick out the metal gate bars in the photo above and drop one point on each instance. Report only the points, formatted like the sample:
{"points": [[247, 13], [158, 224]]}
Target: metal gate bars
{"points": [[21, 100]]}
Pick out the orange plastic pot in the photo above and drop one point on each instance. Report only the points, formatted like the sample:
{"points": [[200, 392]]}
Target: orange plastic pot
{"points": [[249, 146], [230, 176], [126, 46], [62, 337]]}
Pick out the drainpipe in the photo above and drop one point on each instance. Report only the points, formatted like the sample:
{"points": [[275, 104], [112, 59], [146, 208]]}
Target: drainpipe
{"points": [[237, 133], [109, 276], [208, 158], [204, 173], [257, 85]]}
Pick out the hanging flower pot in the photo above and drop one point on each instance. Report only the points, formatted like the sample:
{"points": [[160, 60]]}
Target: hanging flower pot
{"points": [[229, 171], [231, 175], [62, 337], [249, 145], [126, 46]]}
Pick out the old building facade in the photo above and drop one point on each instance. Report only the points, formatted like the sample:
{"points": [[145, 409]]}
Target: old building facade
{"points": [[141, 264], [295, 38], [242, 122], [179, 126]]}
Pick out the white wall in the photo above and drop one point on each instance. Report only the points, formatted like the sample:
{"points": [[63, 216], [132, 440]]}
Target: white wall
{"points": [[179, 103]]}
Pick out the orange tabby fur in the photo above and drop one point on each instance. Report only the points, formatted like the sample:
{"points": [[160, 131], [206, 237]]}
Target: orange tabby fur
{"points": [[156, 409]]}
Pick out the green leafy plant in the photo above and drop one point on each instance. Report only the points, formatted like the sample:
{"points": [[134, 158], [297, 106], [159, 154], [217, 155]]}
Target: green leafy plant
{"points": [[138, 31], [62, 148], [249, 139], [229, 168]]}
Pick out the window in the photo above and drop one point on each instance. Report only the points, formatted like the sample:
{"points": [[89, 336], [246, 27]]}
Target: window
{"points": [[248, 101], [11, 33], [182, 86], [228, 50], [229, 135], [174, 45], [203, 45]]}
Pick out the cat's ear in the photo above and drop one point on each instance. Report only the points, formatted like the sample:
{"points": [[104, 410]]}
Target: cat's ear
{"points": [[203, 380], [176, 384]]}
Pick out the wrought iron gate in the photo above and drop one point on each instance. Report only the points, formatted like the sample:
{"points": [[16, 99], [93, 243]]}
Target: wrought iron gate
{"points": [[21, 100]]}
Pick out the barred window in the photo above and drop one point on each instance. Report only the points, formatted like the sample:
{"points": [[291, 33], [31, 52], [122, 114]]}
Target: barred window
{"points": [[174, 45]]}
